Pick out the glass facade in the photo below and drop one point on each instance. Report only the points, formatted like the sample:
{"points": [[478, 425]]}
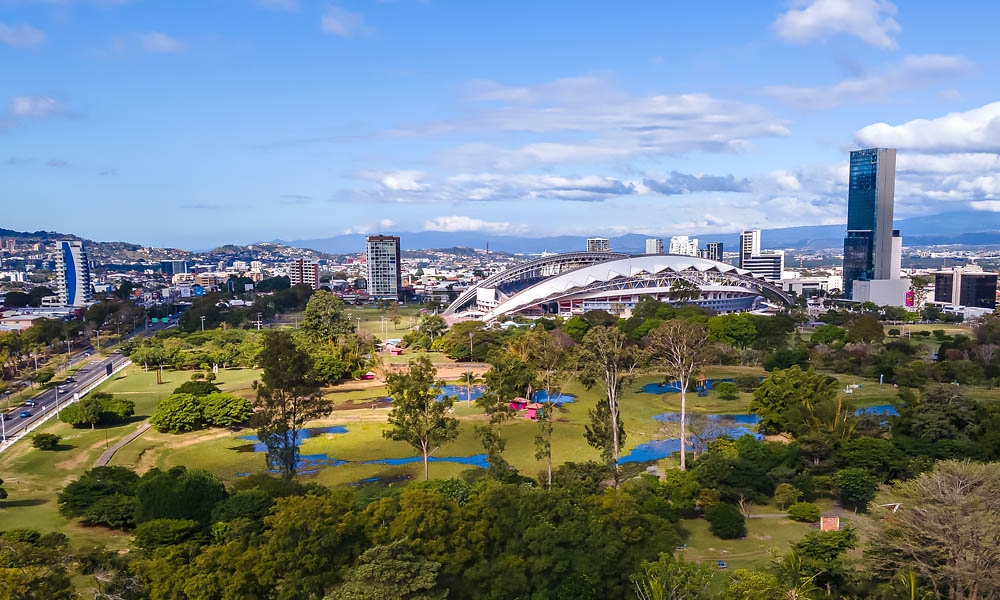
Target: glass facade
{"points": [[868, 244]]}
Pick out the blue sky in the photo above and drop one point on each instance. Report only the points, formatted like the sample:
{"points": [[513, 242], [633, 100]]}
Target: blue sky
{"points": [[193, 123]]}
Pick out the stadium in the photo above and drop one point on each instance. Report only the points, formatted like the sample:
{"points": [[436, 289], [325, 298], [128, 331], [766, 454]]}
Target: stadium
{"points": [[573, 283]]}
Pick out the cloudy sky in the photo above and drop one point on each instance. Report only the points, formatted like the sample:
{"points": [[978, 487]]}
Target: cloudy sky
{"points": [[199, 122]]}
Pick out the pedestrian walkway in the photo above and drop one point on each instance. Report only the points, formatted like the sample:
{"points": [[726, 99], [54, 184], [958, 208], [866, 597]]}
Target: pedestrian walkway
{"points": [[108, 454]]}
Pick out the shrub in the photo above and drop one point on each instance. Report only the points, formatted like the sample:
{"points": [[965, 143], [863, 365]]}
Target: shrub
{"points": [[45, 441], [164, 532], [727, 390], [786, 494], [807, 512], [894, 332], [197, 388], [225, 410], [178, 413], [726, 521], [856, 487], [747, 383]]}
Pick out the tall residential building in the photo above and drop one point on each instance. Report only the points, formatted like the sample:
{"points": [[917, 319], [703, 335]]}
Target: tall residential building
{"points": [[598, 245], [73, 274], [173, 267], [384, 267], [682, 244], [713, 251], [303, 271], [654, 246], [868, 245], [749, 245], [966, 286]]}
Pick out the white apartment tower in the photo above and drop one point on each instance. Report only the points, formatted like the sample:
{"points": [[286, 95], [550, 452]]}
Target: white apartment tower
{"points": [[598, 245], [654, 246], [302, 271], [684, 245], [385, 279]]}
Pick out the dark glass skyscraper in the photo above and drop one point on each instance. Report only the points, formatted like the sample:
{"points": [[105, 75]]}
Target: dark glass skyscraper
{"points": [[870, 197]]}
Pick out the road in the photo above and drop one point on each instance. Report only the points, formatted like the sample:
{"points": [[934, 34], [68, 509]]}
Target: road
{"points": [[58, 396]]}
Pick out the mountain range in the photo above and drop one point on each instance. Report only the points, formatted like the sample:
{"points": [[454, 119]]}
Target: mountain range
{"points": [[967, 227]]}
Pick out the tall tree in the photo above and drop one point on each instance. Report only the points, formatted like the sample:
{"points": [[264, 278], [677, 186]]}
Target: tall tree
{"points": [[418, 417], [607, 357], [432, 326], [391, 572], [287, 398], [681, 348], [324, 319], [944, 530], [547, 354], [507, 379]]}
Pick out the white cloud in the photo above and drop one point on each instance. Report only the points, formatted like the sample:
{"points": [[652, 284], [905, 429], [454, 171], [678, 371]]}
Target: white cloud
{"points": [[911, 73], [403, 181], [585, 120], [386, 223], [38, 107], [20, 36], [986, 205], [870, 20], [285, 5], [460, 223], [976, 130], [344, 23], [155, 42]]}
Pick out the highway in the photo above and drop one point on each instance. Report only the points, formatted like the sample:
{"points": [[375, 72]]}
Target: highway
{"points": [[57, 397]]}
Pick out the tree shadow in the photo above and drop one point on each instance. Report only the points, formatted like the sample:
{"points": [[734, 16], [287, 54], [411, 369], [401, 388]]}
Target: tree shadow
{"points": [[22, 503]]}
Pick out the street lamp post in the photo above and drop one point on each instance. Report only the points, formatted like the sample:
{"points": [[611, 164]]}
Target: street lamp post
{"points": [[203, 323], [470, 347]]}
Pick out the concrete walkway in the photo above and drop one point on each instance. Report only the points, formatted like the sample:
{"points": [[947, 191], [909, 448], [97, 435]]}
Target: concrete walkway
{"points": [[108, 454]]}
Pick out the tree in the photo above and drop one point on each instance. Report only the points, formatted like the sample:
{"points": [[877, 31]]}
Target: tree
{"points": [[222, 409], [783, 400], [786, 494], [509, 377], [736, 329], [673, 579], [178, 413], [725, 521], [918, 285], [548, 356], [944, 530], [856, 487], [806, 512], [866, 329], [157, 533], [391, 572], [178, 493], [469, 378], [727, 390], [680, 347], [417, 417], [90, 410], [607, 357], [324, 319], [753, 585], [432, 326], [45, 441], [3, 492], [287, 398], [576, 328], [98, 483]]}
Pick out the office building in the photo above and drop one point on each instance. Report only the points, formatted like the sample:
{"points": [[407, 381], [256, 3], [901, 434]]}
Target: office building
{"points": [[598, 245], [303, 271], [173, 267], [766, 264], [683, 245], [966, 286], [654, 246], [712, 251], [384, 275], [73, 274], [868, 246]]}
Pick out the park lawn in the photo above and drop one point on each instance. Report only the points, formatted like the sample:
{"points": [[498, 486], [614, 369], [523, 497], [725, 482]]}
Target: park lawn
{"points": [[752, 552]]}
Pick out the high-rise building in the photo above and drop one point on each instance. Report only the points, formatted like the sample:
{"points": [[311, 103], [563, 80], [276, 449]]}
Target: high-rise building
{"points": [[654, 246], [10, 244], [303, 271], [749, 245], [682, 244], [598, 245], [766, 264], [173, 267], [73, 274], [966, 286], [384, 267], [712, 251], [868, 245]]}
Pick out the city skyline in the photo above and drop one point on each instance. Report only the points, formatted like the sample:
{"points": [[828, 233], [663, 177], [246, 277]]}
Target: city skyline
{"points": [[229, 122]]}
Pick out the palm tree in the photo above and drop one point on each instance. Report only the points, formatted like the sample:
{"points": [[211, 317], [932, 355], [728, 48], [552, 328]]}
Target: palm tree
{"points": [[469, 379]]}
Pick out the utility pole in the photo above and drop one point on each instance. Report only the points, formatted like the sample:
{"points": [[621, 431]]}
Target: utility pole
{"points": [[258, 321], [203, 323], [470, 346]]}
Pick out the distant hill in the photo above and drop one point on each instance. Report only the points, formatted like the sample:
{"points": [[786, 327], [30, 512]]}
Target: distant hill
{"points": [[37, 235], [967, 227]]}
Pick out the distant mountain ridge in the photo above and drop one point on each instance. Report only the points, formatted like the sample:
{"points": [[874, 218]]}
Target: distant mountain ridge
{"points": [[967, 227]]}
